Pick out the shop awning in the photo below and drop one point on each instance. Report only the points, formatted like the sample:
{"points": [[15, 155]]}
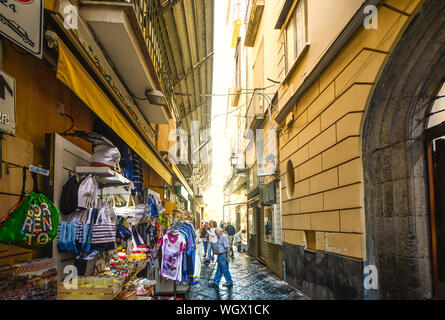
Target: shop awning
{"points": [[182, 180], [74, 76]]}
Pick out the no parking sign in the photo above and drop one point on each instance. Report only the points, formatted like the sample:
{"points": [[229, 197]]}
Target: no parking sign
{"points": [[21, 21]]}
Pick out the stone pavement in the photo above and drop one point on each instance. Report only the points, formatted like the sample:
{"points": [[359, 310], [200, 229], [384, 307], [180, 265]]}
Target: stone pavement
{"points": [[252, 281]]}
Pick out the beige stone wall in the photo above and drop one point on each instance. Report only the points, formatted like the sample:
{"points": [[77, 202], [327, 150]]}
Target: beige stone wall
{"points": [[324, 141]]}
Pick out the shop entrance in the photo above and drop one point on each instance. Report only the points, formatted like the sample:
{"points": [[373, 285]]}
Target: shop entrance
{"points": [[398, 172], [435, 145], [436, 170], [263, 245]]}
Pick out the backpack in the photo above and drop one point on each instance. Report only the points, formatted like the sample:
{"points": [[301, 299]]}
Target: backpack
{"points": [[33, 224]]}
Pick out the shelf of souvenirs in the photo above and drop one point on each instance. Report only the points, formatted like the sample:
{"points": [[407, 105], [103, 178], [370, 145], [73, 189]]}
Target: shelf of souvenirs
{"points": [[104, 176], [115, 282]]}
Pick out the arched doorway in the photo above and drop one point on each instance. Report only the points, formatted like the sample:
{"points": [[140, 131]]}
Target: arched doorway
{"points": [[397, 208]]}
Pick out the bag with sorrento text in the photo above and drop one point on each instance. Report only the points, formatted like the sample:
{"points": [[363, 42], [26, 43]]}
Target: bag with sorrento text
{"points": [[33, 223]]}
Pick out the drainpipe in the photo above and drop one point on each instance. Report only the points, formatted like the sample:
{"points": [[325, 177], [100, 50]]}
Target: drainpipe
{"points": [[284, 271]]}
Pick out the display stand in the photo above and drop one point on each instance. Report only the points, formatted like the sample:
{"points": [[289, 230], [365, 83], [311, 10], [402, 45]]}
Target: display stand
{"points": [[104, 175], [167, 286], [84, 293]]}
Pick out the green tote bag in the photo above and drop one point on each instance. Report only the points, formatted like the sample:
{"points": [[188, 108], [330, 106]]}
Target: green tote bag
{"points": [[33, 224]]}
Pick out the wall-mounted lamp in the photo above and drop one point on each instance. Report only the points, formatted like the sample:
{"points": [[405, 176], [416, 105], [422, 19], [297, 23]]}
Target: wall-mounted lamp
{"points": [[156, 97]]}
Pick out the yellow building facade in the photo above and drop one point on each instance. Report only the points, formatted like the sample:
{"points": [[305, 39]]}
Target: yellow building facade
{"points": [[346, 209]]}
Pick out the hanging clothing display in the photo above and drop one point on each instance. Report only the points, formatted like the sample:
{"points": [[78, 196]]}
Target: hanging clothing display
{"points": [[178, 253], [173, 244]]}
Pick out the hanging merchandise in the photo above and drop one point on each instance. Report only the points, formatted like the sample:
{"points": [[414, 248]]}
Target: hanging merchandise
{"points": [[88, 192], [179, 252], [85, 262], [154, 207], [188, 261], [133, 171], [33, 223], [172, 244], [122, 232], [73, 232], [197, 272], [67, 237], [138, 177], [139, 248], [104, 230], [106, 156], [69, 199]]}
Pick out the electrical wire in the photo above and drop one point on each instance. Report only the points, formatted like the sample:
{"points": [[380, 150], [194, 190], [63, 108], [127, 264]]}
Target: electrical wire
{"points": [[72, 122]]}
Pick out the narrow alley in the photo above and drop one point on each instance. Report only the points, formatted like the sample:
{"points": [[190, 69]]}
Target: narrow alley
{"points": [[252, 281], [308, 134]]}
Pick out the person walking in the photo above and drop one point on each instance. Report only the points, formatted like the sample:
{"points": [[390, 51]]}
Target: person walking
{"points": [[223, 252], [239, 237], [231, 233], [213, 239], [205, 237]]}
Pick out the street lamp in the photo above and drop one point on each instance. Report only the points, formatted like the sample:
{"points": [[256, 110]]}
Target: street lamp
{"points": [[156, 97]]}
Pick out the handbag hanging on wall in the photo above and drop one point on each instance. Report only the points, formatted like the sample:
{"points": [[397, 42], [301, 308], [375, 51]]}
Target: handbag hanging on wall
{"points": [[84, 262], [104, 230], [33, 223]]}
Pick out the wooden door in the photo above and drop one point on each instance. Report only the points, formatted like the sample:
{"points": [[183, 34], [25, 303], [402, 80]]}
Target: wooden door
{"points": [[436, 170]]}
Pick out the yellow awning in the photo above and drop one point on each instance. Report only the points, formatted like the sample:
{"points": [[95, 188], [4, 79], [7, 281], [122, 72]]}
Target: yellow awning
{"points": [[74, 76], [182, 179]]}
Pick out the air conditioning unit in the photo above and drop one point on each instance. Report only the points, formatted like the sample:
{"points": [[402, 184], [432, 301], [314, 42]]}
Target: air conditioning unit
{"points": [[267, 194]]}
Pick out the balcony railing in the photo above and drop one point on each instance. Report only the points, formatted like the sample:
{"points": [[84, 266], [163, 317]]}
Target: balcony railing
{"points": [[255, 111], [148, 15], [254, 12]]}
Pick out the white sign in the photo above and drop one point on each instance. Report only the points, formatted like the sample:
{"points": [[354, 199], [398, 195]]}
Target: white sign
{"points": [[7, 104], [38, 170], [21, 21]]}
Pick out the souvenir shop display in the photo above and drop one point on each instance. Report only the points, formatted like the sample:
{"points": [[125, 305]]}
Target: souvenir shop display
{"points": [[108, 227], [133, 171], [110, 231], [33, 280], [33, 223], [142, 287], [179, 258]]}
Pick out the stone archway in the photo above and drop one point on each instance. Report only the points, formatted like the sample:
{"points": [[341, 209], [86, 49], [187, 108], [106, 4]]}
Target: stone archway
{"points": [[395, 175]]}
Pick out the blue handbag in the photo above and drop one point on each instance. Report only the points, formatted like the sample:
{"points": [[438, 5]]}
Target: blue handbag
{"points": [[61, 243], [67, 237]]}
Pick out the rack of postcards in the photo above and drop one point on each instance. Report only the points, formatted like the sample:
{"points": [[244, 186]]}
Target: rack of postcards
{"points": [[112, 234]]}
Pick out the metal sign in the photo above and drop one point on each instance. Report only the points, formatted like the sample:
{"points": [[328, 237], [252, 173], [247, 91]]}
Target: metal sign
{"points": [[7, 104], [21, 21]]}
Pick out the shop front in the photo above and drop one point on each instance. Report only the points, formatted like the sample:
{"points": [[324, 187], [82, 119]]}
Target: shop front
{"points": [[97, 225]]}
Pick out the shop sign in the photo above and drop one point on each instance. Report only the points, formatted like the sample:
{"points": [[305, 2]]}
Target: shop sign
{"points": [[7, 104], [180, 190], [21, 21]]}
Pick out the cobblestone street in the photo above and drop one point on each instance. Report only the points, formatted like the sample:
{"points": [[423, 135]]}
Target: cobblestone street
{"points": [[252, 281]]}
